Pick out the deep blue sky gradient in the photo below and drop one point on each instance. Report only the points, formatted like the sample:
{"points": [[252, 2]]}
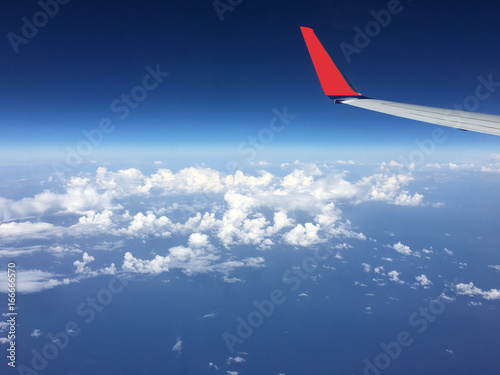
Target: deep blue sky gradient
{"points": [[226, 77]]}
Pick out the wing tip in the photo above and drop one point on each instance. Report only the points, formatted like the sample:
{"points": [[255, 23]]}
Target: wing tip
{"points": [[331, 78]]}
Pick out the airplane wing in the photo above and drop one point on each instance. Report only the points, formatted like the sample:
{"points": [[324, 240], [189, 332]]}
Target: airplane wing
{"points": [[338, 88]]}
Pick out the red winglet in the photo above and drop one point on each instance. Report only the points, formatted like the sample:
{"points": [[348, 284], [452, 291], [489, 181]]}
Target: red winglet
{"points": [[332, 80]]}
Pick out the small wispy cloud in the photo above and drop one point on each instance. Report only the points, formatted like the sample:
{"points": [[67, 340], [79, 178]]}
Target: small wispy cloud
{"points": [[178, 346], [36, 333], [237, 359], [211, 315]]}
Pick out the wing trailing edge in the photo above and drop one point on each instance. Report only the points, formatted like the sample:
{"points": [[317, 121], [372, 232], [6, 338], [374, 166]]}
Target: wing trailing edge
{"points": [[337, 87]]}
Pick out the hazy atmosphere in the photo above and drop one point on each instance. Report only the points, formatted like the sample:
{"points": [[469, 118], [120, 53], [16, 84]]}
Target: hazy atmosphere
{"points": [[178, 195]]}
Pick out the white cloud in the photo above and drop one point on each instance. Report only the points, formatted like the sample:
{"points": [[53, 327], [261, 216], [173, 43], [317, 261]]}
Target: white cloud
{"points": [[495, 267], [62, 250], [394, 276], [213, 365], [423, 280], [383, 187], [300, 208], [358, 283], [36, 333], [27, 230], [231, 280], [148, 225], [211, 315], [239, 221], [304, 235], [471, 290], [4, 326], [177, 346], [237, 359], [81, 267], [400, 248], [13, 251], [31, 281], [446, 297], [84, 271], [199, 257]]}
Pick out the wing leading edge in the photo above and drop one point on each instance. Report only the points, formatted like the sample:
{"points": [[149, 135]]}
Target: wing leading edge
{"points": [[336, 86]]}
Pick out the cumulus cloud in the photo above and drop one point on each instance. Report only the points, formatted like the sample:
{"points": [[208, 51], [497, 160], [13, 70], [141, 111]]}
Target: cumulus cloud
{"points": [[394, 276], [471, 290], [304, 235], [237, 359], [400, 248], [81, 266], [199, 257], [384, 187], [82, 269], [423, 280], [299, 208], [255, 210], [148, 225]]}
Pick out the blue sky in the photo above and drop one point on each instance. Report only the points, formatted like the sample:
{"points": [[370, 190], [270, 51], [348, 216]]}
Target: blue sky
{"points": [[225, 77], [233, 175]]}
